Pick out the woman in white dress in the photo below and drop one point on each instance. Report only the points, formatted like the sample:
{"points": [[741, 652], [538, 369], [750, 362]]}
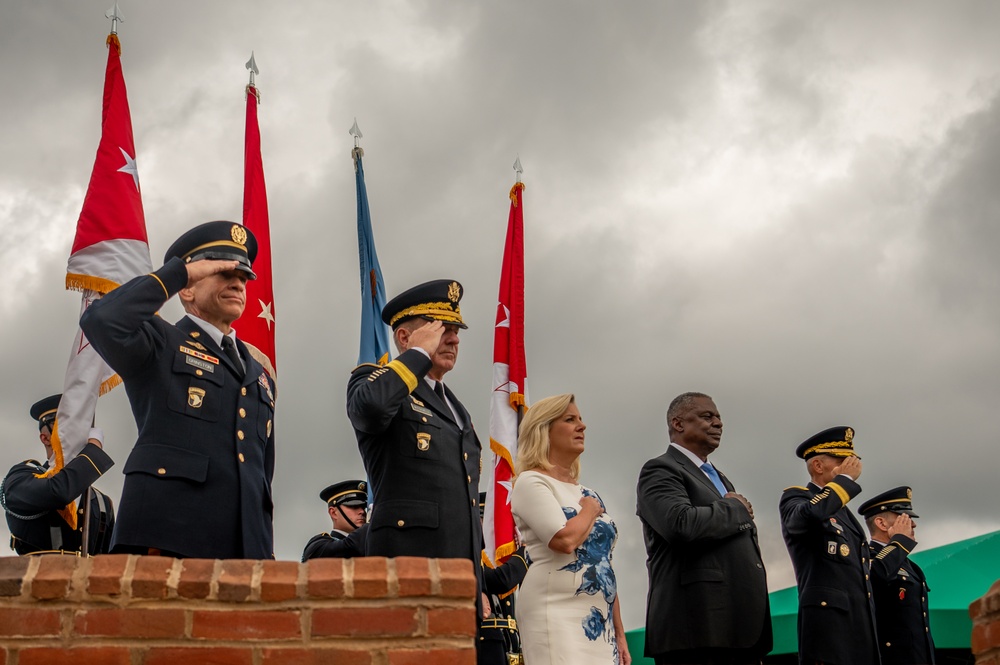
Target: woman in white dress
{"points": [[568, 609]]}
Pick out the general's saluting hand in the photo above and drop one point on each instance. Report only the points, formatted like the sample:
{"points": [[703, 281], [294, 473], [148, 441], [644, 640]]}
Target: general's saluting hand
{"points": [[199, 270], [851, 466], [427, 337]]}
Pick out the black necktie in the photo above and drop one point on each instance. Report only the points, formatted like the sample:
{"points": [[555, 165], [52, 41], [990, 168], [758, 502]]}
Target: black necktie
{"points": [[439, 389], [230, 348]]}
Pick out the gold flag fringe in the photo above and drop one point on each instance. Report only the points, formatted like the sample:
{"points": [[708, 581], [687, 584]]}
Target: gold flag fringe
{"points": [[516, 400], [75, 282], [501, 451], [513, 192], [113, 41], [69, 512]]}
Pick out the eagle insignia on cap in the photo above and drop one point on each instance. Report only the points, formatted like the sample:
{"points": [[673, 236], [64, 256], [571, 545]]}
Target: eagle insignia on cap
{"points": [[362, 487], [239, 234], [848, 435], [909, 493], [454, 292]]}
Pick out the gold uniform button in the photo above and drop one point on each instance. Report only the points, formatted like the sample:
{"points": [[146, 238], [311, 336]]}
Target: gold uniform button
{"points": [[243, 412], [198, 372], [161, 471], [866, 577], [269, 428], [465, 455], [424, 418], [888, 644], [823, 603], [242, 459], [243, 391], [239, 434], [400, 523], [469, 478]]}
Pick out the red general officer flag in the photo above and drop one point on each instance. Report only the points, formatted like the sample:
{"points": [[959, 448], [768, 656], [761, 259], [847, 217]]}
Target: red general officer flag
{"points": [[110, 248], [509, 385], [256, 326]]}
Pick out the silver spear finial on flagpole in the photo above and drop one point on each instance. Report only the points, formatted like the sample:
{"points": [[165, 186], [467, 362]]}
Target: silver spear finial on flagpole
{"points": [[115, 14], [517, 168], [252, 66], [356, 132]]}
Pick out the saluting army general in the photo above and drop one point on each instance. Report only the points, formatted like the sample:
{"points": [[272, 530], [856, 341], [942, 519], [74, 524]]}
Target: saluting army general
{"points": [[898, 584], [198, 480], [32, 502], [420, 451], [830, 554], [347, 504]]}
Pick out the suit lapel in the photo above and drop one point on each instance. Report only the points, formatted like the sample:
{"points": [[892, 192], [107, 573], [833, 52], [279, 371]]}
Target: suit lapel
{"points": [[689, 466], [430, 399]]}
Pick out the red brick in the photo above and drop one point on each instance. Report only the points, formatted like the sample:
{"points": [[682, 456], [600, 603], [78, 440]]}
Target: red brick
{"points": [[130, 622], [315, 655], [247, 625], [199, 656], [235, 580], [106, 573], [278, 581], [326, 578], [196, 578], [12, 572], [456, 578], [975, 609], [3, 656], [371, 577], [452, 621], [413, 575], [436, 656], [364, 621], [28, 621], [150, 577], [53, 576], [97, 655]]}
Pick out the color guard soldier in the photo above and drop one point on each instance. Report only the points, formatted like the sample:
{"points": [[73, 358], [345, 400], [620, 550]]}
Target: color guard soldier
{"points": [[347, 503], [499, 641], [898, 585], [830, 555], [198, 480], [32, 502]]}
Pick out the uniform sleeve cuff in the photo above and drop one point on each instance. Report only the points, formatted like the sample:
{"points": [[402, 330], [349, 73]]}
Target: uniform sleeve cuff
{"points": [[172, 277]]}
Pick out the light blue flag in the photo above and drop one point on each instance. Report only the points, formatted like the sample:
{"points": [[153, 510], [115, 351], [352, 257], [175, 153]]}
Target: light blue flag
{"points": [[374, 332]]}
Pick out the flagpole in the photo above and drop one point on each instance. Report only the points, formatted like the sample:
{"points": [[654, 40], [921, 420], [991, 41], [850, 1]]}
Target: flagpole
{"points": [[518, 169]]}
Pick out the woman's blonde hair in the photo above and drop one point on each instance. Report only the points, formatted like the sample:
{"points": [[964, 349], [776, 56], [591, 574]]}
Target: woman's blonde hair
{"points": [[533, 435]]}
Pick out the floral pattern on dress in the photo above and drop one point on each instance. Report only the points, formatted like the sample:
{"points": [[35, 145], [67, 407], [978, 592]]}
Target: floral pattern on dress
{"points": [[593, 557]]}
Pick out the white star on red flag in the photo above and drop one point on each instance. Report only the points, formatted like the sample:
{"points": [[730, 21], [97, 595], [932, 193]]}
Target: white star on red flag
{"points": [[130, 168], [265, 313]]}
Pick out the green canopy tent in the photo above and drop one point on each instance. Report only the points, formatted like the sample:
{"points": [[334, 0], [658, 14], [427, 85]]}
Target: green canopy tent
{"points": [[957, 574]]}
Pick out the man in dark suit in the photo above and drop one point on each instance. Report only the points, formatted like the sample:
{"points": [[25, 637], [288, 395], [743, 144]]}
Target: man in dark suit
{"points": [[830, 554], [707, 599], [32, 501], [347, 503], [198, 480], [899, 587], [420, 451]]}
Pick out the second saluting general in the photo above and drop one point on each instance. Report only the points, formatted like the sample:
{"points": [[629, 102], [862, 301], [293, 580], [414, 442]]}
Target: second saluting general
{"points": [[198, 480], [421, 454]]}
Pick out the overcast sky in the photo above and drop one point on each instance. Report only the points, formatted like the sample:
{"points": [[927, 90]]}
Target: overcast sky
{"points": [[790, 206]]}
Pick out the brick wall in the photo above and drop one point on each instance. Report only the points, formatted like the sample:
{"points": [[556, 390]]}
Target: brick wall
{"points": [[132, 610], [985, 614]]}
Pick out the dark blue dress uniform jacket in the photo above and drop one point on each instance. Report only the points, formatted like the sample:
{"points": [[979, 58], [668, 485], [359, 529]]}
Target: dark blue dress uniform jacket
{"points": [[707, 583], [336, 544], [901, 611], [424, 469], [831, 557], [198, 481], [32, 505]]}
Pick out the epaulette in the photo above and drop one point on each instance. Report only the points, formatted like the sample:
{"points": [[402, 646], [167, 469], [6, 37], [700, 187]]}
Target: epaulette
{"points": [[365, 365], [796, 487], [31, 462]]}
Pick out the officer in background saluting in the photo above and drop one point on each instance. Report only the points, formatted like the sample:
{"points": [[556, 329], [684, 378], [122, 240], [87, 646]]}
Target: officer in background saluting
{"points": [[198, 480], [347, 503], [32, 503], [898, 585], [830, 554]]}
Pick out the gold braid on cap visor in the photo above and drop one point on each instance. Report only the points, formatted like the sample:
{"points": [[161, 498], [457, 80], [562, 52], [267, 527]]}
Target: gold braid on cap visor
{"points": [[337, 496], [835, 448], [433, 309]]}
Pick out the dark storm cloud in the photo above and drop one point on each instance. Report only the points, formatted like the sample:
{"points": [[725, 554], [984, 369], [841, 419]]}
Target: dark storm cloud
{"points": [[785, 206]]}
